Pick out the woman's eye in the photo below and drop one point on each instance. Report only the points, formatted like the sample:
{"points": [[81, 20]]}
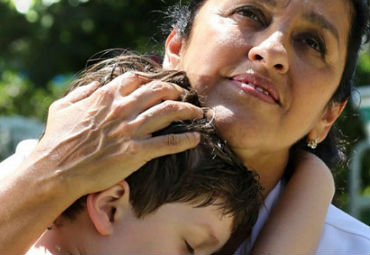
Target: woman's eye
{"points": [[189, 248], [314, 42], [251, 13]]}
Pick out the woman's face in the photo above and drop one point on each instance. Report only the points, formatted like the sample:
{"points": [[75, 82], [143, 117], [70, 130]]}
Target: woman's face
{"points": [[268, 67]]}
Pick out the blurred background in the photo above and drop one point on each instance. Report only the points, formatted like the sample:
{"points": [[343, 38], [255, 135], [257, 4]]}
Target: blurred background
{"points": [[43, 43]]}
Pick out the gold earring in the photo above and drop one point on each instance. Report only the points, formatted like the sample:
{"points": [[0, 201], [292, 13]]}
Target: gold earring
{"points": [[312, 144]]}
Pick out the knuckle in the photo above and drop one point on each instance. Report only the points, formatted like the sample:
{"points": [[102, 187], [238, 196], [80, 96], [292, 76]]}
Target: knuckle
{"points": [[94, 83], [191, 138], [197, 112], [117, 105], [83, 91], [55, 105], [118, 130], [133, 148], [123, 78], [158, 86], [191, 111], [130, 74], [104, 93], [126, 129], [117, 108], [93, 86], [145, 118], [172, 140], [133, 76], [171, 106]]}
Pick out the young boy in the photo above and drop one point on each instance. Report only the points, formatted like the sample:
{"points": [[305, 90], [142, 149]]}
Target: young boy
{"points": [[184, 203]]}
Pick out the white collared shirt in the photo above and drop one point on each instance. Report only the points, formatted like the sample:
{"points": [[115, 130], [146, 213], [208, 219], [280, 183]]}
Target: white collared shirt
{"points": [[342, 235]]}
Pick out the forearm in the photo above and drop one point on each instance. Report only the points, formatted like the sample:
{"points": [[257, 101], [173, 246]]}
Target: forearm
{"points": [[296, 222], [31, 197]]}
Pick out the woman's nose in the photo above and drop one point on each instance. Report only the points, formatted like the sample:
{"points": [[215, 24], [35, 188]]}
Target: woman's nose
{"points": [[271, 53]]}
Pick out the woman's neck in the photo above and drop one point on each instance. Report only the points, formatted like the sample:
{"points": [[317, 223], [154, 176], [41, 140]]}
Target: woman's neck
{"points": [[269, 166]]}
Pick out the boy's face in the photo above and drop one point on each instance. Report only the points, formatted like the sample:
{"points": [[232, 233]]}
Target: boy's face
{"points": [[175, 228]]}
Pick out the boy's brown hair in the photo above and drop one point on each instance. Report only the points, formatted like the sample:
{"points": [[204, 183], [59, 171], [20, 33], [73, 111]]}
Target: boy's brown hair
{"points": [[210, 174]]}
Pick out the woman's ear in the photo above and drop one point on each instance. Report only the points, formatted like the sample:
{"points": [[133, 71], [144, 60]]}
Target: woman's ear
{"points": [[329, 116], [105, 207], [173, 48]]}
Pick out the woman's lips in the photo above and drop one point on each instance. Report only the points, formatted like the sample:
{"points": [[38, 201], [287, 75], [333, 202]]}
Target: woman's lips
{"points": [[255, 91], [256, 86]]}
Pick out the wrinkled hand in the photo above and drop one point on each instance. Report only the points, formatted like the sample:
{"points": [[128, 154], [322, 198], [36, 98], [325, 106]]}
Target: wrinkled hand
{"points": [[97, 136]]}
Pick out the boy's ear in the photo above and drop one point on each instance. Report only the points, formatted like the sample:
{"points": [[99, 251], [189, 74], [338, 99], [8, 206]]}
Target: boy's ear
{"points": [[173, 46], [105, 207], [329, 116]]}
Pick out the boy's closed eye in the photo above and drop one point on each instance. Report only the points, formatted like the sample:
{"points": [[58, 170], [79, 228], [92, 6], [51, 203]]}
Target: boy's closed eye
{"points": [[203, 238]]}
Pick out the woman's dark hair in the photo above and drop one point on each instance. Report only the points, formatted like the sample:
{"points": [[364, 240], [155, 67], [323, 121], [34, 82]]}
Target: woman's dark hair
{"points": [[210, 174], [181, 17]]}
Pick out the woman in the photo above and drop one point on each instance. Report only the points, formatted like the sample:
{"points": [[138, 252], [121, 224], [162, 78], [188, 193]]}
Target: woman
{"points": [[276, 72]]}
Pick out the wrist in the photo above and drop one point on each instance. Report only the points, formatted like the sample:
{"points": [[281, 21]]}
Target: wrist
{"points": [[41, 171]]}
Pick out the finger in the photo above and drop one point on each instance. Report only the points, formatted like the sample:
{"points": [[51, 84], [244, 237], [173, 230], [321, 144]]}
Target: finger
{"points": [[168, 144], [126, 83], [162, 115], [82, 92], [152, 94]]}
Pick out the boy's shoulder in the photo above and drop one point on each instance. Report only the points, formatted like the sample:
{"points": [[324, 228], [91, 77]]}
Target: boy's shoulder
{"points": [[343, 234]]}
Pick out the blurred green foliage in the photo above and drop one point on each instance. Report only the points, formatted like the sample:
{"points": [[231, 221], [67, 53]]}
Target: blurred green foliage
{"points": [[57, 37], [41, 48]]}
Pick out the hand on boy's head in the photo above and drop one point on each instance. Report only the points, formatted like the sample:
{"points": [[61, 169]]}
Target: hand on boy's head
{"points": [[103, 129]]}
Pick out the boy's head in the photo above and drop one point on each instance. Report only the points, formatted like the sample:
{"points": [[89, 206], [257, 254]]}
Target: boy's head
{"points": [[174, 204]]}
